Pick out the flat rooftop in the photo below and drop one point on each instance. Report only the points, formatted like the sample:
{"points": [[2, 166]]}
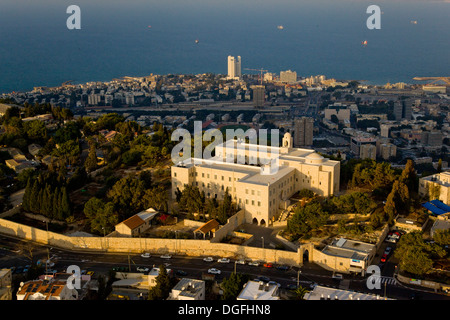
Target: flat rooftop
{"points": [[325, 293], [349, 249], [189, 287], [345, 253], [353, 245], [258, 290], [252, 172]]}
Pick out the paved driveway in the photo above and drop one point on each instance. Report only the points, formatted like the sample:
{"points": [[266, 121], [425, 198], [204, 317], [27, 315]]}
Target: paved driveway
{"points": [[262, 236]]}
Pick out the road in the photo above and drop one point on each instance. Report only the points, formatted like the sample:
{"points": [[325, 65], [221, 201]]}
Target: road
{"points": [[14, 254]]}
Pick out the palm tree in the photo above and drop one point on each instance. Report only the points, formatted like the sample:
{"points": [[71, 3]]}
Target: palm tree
{"points": [[300, 293]]}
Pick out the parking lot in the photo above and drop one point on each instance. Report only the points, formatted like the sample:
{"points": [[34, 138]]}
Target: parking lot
{"points": [[385, 255]]}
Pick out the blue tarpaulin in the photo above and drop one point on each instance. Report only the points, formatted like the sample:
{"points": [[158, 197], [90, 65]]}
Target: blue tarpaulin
{"points": [[441, 205], [436, 207]]}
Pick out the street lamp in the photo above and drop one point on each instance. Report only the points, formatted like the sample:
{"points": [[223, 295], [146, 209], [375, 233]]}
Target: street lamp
{"points": [[262, 238], [298, 277], [104, 237]]}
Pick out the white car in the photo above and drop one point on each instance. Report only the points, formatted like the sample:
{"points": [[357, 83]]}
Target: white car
{"points": [[145, 255], [338, 276], [142, 269], [391, 239], [208, 259], [223, 260], [214, 271], [242, 261], [253, 263], [166, 256]]}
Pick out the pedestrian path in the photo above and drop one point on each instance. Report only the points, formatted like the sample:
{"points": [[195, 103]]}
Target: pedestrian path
{"points": [[384, 280]]}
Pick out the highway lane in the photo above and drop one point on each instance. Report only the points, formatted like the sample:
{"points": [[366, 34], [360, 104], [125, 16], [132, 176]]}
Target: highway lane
{"points": [[13, 253]]}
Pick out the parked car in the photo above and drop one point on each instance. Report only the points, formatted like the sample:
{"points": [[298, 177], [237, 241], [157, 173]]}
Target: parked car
{"points": [[282, 268], [253, 263], [214, 271], [263, 279], [388, 250], [121, 269], [391, 239], [166, 256], [274, 283], [208, 259], [145, 255], [223, 260], [268, 265], [384, 257], [242, 261], [142, 269], [181, 273]]}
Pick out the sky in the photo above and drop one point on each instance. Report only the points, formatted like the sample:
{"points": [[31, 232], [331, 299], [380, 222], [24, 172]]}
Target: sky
{"points": [[320, 37]]}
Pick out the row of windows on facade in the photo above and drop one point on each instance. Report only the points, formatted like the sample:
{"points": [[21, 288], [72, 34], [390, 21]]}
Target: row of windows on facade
{"points": [[247, 201], [281, 185]]}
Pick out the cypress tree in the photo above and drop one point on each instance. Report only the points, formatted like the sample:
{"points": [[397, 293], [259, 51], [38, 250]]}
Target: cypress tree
{"points": [[34, 198], [55, 203], [39, 201], [26, 196], [65, 204]]}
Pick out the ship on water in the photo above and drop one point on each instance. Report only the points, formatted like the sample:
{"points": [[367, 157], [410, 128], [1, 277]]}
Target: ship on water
{"points": [[280, 27]]}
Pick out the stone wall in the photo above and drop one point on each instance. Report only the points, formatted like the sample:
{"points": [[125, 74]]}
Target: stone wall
{"points": [[232, 223], [187, 247]]}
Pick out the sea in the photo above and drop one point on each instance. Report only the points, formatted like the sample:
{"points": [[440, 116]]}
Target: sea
{"points": [[143, 37]]}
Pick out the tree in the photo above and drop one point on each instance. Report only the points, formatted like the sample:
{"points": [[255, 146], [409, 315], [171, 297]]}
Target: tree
{"points": [[70, 131], [300, 293], [306, 193], [226, 208], [163, 286], [306, 218], [416, 261], [35, 130], [415, 255], [65, 210], [156, 198], [91, 160], [442, 237], [398, 201], [101, 216], [191, 199], [26, 200], [233, 285], [409, 176], [127, 194]]}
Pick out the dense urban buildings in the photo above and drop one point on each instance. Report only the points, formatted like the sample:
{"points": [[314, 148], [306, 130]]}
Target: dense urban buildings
{"points": [[328, 184]]}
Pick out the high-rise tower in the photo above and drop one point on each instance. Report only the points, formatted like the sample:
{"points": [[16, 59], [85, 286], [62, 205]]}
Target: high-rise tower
{"points": [[234, 67]]}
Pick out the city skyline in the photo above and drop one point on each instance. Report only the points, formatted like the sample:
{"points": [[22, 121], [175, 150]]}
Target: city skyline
{"points": [[226, 152]]}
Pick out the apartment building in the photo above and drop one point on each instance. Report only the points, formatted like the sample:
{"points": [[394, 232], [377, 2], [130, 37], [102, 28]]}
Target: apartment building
{"points": [[436, 186]]}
